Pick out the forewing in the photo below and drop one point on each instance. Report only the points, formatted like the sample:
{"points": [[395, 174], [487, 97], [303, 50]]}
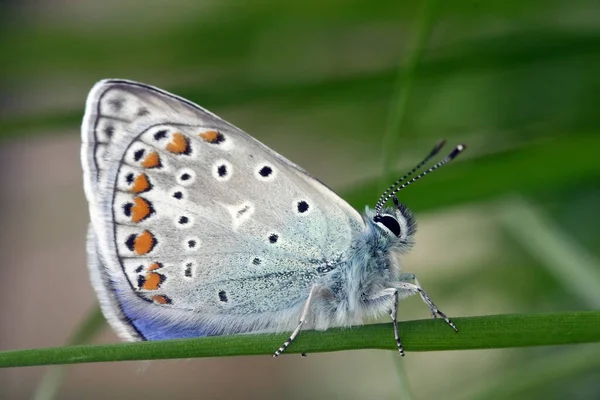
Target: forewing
{"points": [[192, 215]]}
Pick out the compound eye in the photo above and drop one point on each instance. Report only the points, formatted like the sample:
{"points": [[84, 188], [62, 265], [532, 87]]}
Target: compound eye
{"points": [[389, 222]]}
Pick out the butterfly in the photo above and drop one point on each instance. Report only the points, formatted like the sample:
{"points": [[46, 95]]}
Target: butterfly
{"points": [[198, 229]]}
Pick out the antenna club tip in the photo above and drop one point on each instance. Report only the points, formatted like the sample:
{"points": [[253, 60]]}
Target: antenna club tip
{"points": [[457, 150]]}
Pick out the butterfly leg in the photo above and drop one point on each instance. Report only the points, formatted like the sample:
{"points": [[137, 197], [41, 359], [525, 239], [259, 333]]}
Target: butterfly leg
{"points": [[305, 310], [393, 294], [416, 288], [408, 277]]}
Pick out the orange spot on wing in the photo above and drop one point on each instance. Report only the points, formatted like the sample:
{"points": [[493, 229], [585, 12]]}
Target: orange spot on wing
{"points": [[144, 243], [141, 184], [210, 136], [154, 266], [152, 160], [161, 299], [153, 281], [179, 144], [140, 210]]}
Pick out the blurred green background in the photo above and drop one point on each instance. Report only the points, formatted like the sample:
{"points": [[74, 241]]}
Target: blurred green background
{"points": [[510, 227]]}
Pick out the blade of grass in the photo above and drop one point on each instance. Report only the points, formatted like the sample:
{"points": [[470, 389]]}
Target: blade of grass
{"points": [[570, 263], [399, 103], [402, 90], [513, 382], [53, 378], [484, 55], [476, 179], [404, 391], [486, 332]]}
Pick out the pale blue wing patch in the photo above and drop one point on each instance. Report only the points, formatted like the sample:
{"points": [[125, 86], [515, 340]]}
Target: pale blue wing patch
{"points": [[223, 212]]}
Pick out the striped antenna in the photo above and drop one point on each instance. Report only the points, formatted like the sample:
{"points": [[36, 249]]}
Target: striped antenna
{"points": [[389, 193], [432, 153]]}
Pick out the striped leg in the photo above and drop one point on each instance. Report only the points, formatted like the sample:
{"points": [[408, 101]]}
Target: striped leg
{"points": [[393, 293], [305, 310], [408, 277], [416, 288]]}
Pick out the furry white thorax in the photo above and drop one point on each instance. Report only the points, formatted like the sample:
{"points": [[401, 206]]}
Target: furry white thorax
{"points": [[345, 295]]}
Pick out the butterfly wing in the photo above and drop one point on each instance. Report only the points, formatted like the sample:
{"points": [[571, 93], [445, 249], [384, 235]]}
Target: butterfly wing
{"points": [[196, 227]]}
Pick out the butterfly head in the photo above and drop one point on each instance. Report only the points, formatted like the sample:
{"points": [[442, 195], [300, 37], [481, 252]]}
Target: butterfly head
{"points": [[401, 223], [398, 223]]}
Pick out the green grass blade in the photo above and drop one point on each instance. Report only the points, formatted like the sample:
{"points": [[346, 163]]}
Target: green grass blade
{"points": [[521, 170], [570, 263], [404, 389], [51, 382], [536, 373], [397, 112], [486, 332], [403, 87]]}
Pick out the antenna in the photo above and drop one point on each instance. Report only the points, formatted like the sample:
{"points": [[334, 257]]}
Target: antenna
{"points": [[432, 153], [392, 190]]}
